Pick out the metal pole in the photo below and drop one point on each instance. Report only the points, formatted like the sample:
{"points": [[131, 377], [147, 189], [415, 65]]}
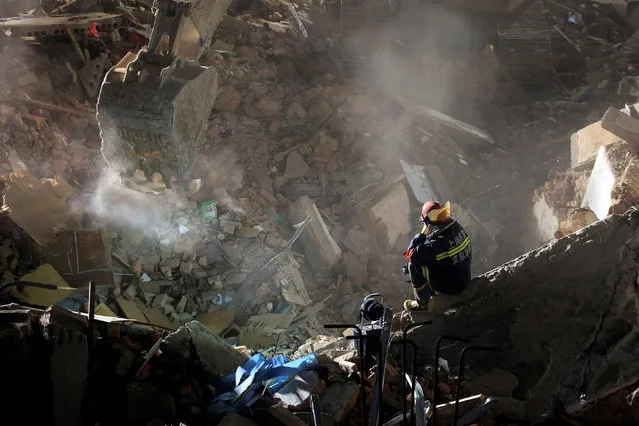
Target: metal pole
{"points": [[462, 355], [381, 367], [440, 339], [316, 410], [91, 325], [405, 332], [362, 362]]}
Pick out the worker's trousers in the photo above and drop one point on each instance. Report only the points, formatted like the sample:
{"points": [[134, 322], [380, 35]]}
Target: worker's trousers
{"points": [[440, 303]]}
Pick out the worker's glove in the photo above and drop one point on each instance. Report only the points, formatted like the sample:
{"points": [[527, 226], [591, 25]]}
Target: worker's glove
{"points": [[417, 240]]}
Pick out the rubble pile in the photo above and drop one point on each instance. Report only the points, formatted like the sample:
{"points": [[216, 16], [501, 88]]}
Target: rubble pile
{"points": [[306, 186], [305, 143]]}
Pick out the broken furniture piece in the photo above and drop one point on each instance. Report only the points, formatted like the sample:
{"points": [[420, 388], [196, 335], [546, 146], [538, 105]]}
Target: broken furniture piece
{"points": [[154, 106]]}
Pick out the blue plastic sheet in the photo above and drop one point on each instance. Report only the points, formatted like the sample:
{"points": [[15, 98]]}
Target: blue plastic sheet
{"points": [[238, 391]]}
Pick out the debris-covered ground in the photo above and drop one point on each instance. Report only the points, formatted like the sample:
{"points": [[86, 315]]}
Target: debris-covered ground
{"points": [[328, 130]]}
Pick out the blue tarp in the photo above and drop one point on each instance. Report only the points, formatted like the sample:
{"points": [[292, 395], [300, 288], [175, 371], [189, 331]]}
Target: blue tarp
{"points": [[237, 391]]}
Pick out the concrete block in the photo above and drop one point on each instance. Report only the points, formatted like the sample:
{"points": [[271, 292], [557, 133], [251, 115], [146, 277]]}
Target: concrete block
{"points": [[585, 143], [155, 286], [392, 215], [621, 125], [317, 239], [161, 299], [130, 292], [296, 167], [172, 263], [339, 399], [186, 267], [181, 304], [208, 295]]}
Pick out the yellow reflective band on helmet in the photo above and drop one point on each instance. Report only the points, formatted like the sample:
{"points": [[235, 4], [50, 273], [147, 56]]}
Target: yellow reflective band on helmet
{"points": [[439, 215], [453, 252]]}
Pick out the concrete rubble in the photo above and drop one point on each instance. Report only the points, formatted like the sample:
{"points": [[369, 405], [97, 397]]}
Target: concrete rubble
{"points": [[585, 346], [299, 149]]}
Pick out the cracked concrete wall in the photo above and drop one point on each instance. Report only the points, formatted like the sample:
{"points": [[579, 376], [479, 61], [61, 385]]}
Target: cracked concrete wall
{"points": [[566, 315]]}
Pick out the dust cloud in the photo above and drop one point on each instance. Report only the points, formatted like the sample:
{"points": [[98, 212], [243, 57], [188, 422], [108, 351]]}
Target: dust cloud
{"points": [[121, 207]]}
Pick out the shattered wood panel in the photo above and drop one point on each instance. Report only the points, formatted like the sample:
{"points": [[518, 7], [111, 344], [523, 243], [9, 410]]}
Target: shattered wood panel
{"points": [[40, 207], [45, 274], [82, 255], [563, 314]]}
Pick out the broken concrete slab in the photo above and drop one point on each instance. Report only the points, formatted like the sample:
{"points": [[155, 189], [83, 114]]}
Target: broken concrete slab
{"points": [[296, 395], [339, 399], [291, 282], [217, 357], [130, 309], [318, 242], [427, 182], [563, 315], [445, 120], [621, 125], [155, 317], [217, 321], [585, 143], [390, 215]]}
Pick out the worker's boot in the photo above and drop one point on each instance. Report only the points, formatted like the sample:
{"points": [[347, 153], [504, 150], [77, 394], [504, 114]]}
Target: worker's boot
{"points": [[413, 305]]}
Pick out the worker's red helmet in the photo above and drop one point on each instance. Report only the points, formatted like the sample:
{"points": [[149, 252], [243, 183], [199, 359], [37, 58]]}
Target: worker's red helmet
{"points": [[434, 212]]}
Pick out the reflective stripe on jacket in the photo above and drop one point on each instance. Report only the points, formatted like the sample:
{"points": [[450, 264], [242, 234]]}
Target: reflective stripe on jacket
{"points": [[443, 258]]}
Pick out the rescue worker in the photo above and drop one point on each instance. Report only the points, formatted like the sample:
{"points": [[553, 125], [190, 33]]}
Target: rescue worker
{"points": [[438, 258]]}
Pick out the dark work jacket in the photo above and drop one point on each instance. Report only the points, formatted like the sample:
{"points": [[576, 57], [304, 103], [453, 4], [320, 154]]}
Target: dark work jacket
{"points": [[443, 259]]}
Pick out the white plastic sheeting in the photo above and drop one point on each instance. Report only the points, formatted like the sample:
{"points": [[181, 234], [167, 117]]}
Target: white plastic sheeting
{"points": [[599, 189]]}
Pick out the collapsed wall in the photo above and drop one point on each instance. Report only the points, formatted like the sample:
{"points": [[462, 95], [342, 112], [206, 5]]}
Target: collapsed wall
{"points": [[564, 316]]}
